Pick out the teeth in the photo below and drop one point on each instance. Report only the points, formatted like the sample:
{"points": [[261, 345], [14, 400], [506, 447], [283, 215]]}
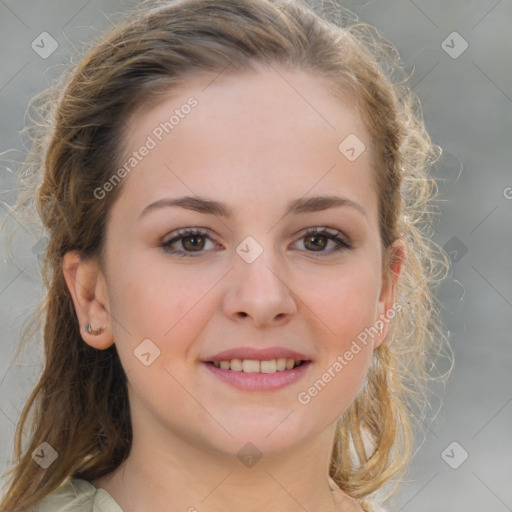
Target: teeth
{"points": [[254, 366], [235, 365], [250, 366], [281, 364], [268, 366]]}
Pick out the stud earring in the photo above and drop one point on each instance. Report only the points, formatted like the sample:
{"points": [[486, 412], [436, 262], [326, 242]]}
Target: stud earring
{"points": [[94, 332]]}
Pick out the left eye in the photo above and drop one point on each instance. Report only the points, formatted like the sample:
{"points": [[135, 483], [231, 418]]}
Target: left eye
{"points": [[318, 239], [195, 240]]}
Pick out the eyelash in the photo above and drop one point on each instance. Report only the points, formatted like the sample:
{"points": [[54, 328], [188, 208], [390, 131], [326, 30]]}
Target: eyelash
{"points": [[342, 243]]}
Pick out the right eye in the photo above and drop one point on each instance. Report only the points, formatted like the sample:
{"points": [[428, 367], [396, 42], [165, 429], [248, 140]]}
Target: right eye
{"points": [[192, 241]]}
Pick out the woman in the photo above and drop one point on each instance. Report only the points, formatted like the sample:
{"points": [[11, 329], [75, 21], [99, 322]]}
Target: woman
{"points": [[239, 306]]}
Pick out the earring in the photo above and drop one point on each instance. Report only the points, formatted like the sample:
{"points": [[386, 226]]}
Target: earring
{"points": [[94, 332]]}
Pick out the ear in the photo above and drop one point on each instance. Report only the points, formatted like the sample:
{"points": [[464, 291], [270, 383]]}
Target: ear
{"points": [[387, 295], [87, 286]]}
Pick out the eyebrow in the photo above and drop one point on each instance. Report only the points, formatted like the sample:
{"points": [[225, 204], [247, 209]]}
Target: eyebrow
{"points": [[206, 206]]}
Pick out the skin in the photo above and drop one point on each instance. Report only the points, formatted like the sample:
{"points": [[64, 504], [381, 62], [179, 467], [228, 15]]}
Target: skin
{"points": [[255, 142]]}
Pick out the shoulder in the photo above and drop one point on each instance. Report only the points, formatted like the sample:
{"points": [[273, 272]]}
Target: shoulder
{"points": [[77, 495]]}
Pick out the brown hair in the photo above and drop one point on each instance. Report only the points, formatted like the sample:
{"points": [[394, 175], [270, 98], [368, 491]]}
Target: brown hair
{"points": [[80, 404]]}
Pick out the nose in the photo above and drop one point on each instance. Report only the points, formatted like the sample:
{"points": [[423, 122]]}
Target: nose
{"points": [[259, 293]]}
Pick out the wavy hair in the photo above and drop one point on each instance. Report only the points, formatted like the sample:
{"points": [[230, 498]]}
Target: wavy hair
{"points": [[80, 403]]}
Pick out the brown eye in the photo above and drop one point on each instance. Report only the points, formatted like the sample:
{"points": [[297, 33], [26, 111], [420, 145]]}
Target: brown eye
{"points": [[193, 243], [187, 242], [316, 242]]}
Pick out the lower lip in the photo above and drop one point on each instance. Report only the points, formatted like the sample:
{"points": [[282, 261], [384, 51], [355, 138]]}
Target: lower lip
{"points": [[259, 381]]}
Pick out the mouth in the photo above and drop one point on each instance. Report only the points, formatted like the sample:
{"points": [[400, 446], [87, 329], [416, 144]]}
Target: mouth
{"points": [[256, 366], [255, 375]]}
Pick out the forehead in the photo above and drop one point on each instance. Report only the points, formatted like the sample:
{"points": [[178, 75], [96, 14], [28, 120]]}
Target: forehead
{"points": [[245, 134], [269, 97]]}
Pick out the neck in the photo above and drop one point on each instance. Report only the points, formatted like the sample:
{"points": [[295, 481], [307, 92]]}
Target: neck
{"points": [[184, 477]]}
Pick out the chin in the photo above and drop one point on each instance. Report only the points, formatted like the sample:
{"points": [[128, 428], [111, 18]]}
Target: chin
{"points": [[270, 438]]}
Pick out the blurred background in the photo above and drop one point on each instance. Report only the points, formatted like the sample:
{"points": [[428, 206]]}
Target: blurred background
{"points": [[458, 54]]}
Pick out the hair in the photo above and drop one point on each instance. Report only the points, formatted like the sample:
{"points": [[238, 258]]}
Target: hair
{"points": [[80, 403]]}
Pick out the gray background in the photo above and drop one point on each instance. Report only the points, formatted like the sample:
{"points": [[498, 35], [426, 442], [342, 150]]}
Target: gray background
{"points": [[468, 111]]}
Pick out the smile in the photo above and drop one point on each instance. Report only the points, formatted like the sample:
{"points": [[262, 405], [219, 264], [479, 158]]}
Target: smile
{"points": [[255, 366], [254, 375]]}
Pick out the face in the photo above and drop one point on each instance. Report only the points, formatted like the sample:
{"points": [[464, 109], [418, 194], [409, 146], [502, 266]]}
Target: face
{"points": [[250, 265]]}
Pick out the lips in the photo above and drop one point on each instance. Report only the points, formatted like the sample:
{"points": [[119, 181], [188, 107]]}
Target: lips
{"points": [[254, 369], [257, 354]]}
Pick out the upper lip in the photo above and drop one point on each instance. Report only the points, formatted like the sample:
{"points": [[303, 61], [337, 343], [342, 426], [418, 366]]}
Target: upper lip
{"points": [[257, 354]]}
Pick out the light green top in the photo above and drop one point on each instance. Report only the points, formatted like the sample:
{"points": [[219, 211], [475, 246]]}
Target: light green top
{"points": [[78, 495]]}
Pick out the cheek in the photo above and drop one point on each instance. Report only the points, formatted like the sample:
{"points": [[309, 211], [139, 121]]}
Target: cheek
{"points": [[347, 348], [159, 301], [347, 302], [347, 307], [168, 306]]}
